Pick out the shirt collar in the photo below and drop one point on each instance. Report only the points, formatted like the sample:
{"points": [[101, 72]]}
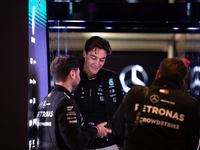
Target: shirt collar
{"points": [[61, 89]]}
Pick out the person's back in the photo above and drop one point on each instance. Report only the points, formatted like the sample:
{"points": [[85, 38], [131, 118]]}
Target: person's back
{"points": [[49, 136], [60, 125], [168, 120], [165, 121]]}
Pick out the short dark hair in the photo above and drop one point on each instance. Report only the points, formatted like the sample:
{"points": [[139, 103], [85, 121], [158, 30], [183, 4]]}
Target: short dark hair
{"points": [[62, 65], [175, 68], [97, 42]]}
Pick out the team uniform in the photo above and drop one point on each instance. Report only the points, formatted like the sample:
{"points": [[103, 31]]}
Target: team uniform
{"points": [[168, 121], [98, 99], [61, 125]]}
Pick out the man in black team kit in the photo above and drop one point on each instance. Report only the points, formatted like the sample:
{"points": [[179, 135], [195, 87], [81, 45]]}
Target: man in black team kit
{"points": [[166, 119], [61, 125], [100, 92]]}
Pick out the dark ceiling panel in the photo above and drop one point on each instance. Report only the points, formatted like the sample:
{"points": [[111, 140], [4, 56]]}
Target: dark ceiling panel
{"points": [[127, 17]]}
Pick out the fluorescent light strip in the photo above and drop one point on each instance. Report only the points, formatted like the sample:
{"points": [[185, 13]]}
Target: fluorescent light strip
{"points": [[175, 28], [193, 28], [108, 28], [67, 21], [189, 28], [67, 27], [108, 21], [74, 21]]}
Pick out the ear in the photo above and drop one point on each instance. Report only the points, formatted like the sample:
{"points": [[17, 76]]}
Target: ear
{"points": [[72, 74], [157, 74], [84, 53]]}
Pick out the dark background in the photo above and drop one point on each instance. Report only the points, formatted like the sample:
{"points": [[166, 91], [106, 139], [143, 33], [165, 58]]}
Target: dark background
{"points": [[14, 74], [150, 61]]}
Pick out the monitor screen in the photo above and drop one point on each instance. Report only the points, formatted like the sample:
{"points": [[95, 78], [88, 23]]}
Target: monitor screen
{"points": [[38, 64]]}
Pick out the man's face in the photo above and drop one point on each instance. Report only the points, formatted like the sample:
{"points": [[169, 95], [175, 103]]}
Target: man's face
{"points": [[76, 80], [94, 61]]}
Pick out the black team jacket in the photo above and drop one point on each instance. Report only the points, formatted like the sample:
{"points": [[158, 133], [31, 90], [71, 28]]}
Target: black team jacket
{"points": [[98, 99], [60, 125], [169, 118]]}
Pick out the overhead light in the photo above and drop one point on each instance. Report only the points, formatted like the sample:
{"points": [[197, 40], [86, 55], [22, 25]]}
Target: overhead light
{"points": [[108, 28], [67, 27], [67, 21], [192, 28], [175, 28]]}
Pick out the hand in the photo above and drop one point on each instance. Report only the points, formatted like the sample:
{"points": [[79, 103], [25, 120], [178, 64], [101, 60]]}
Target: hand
{"points": [[103, 131]]}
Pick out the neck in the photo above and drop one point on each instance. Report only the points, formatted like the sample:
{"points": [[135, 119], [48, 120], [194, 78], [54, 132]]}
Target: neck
{"points": [[65, 85], [87, 73]]}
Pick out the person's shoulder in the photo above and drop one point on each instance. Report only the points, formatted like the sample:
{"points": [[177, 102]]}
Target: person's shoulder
{"points": [[65, 102], [188, 99], [109, 72], [193, 99], [138, 88], [61, 97]]}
